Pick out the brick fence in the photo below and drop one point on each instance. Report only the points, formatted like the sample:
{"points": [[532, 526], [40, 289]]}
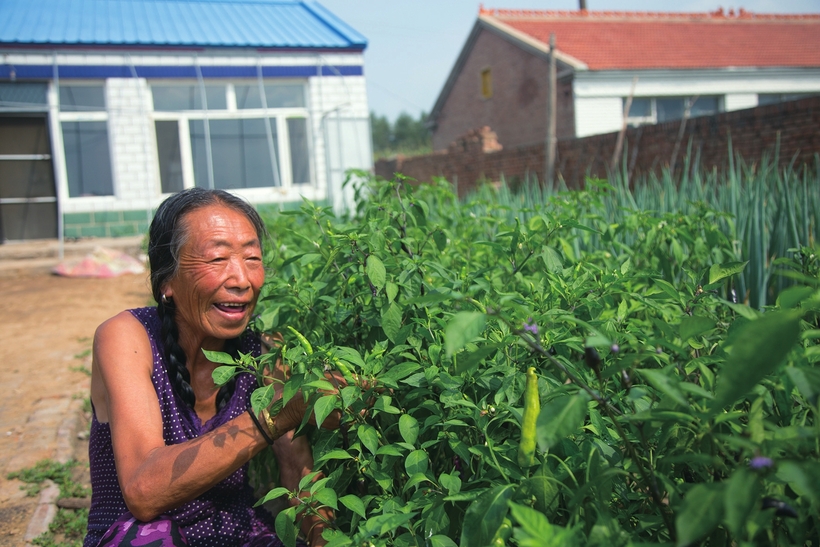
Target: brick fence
{"points": [[477, 156]]}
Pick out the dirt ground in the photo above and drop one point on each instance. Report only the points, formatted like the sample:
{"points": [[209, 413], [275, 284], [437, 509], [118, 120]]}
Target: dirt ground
{"points": [[46, 326]]}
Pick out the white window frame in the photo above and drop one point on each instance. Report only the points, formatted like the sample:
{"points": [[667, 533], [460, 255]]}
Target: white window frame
{"points": [[635, 121], [82, 116], [278, 115]]}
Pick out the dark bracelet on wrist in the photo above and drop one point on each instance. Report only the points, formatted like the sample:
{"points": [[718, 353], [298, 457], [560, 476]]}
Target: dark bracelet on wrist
{"points": [[259, 427]]}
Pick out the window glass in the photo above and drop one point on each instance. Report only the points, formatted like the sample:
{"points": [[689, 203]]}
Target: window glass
{"points": [[82, 98], [170, 157], [240, 153], [22, 95], [298, 138], [87, 159], [703, 106], [669, 108], [486, 83], [188, 97], [641, 107], [277, 96]]}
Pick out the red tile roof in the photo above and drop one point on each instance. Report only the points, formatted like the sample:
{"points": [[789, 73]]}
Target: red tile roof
{"points": [[641, 40]]}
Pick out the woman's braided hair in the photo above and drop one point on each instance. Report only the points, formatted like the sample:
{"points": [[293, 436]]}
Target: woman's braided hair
{"points": [[166, 236]]}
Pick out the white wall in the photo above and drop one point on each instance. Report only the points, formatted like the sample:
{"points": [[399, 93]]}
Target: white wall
{"points": [[599, 94]]}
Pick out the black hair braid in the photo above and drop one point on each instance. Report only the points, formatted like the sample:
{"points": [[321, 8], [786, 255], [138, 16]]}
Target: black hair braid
{"points": [[174, 355]]}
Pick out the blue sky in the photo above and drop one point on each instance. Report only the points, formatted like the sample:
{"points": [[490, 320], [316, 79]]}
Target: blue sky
{"points": [[413, 44]]}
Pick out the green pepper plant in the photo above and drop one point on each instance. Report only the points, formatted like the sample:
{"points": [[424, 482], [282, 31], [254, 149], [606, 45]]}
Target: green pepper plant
{"points": [[506, 385]]}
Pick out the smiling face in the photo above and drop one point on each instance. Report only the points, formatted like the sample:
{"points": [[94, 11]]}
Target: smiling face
{"points": [[219, 276]]}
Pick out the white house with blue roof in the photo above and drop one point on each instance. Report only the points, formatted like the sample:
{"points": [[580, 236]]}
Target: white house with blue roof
{"points": [[107, 106]]}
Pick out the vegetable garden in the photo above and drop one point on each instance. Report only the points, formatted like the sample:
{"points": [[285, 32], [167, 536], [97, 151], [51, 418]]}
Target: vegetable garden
{"points": [[668, 335]]}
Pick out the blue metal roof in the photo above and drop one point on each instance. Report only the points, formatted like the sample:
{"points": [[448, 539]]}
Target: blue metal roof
{"points": [[192, 23]]}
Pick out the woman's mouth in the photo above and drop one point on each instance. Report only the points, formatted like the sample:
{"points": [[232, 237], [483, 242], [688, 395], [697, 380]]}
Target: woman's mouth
{"points": [[231, 307]]}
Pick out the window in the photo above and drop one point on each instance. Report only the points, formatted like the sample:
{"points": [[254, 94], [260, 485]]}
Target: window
{"points": [[486, 83], [649, 110], [87, 159], [170, 98], [240, 153], [276, 96], [21, 96], [250, 140], [169, 155], [84, 123]]}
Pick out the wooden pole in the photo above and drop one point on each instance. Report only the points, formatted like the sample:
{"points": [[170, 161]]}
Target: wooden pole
{"points": [[552, 101], [619, 143]]}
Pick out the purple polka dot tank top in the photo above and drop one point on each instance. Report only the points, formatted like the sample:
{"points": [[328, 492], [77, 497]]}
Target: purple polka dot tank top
{"points": [[224, 515]]}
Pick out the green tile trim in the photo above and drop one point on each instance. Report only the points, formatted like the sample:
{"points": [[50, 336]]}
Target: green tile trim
{"points": [[135, 216], [76, 218], [121, 230], [97, 230], [106, 217]]}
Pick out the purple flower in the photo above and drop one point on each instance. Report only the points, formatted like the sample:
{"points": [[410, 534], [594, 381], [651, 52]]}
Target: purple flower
{"points": [[760, 462], [531, 326], [614, 348]]}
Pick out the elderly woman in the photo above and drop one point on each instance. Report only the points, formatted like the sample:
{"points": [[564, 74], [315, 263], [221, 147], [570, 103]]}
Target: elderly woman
{"points": [[168, 448]]}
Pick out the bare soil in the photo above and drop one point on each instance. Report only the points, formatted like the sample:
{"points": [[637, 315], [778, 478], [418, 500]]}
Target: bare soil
{"points": [[46, 327]]}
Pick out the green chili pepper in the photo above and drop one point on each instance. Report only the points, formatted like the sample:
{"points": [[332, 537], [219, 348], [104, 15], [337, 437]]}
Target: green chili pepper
{"points": [[302, 340], [532, 407], [346, 374], [503, 534]]}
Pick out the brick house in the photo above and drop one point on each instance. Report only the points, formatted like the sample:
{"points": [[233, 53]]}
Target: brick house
{"points": [[672, 65], [107, 106]]}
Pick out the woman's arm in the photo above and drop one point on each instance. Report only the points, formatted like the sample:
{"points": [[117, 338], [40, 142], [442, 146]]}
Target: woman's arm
{"points": [[154, 477]]}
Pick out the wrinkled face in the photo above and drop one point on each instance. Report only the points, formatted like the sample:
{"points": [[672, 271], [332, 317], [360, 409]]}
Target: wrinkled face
{"points": [[219, 276]]}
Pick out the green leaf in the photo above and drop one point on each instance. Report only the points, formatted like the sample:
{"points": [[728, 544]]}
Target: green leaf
{"points": [[416, 462], [742, 494], [560, 418], [370, 439], [440, 239], [451, 482], [802, 477], [485, 515], [442, 541], [323, 407], [261, 398], [337, 454], [544, 487], [391, 290], [349, 355], [691, 326], [666, 384], [806, 380], [286, 527], [219, 357], [354, 503], [552, 260], [221, 375], [382, 524], [273, 494], [534, 523], [757, 351], [326, 496], [462, 328], [391, 321], [792, 296], [702, 511], [415, 479], [727, 269], [409, 428], [375, 271]]}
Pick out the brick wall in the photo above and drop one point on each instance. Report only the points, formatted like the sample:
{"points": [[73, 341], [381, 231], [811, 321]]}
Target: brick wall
{"points": [[477, 155], [517, 111]]}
